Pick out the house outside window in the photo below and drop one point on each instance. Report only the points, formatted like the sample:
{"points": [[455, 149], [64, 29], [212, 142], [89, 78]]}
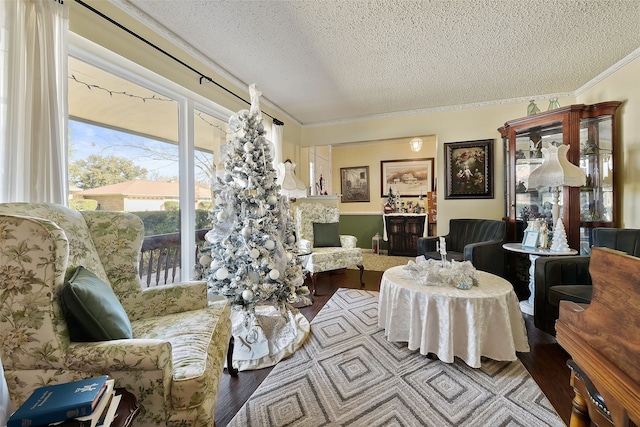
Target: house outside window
{"points": [[141, 144]]}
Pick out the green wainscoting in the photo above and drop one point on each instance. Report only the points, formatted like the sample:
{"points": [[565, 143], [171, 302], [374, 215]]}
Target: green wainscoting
{"points": [[364, 227]]}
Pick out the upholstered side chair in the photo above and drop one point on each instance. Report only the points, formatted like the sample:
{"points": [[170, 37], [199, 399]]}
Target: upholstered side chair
{"points": [[317, 231], [166, 344], [476, 240]]}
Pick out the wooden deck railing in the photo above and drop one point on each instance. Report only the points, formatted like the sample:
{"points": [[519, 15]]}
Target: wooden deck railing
{"points": [[160, 260]]}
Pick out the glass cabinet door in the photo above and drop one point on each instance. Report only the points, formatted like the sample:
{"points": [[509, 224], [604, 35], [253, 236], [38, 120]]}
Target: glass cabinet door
{"points": [[597, 203], [531, 202]]}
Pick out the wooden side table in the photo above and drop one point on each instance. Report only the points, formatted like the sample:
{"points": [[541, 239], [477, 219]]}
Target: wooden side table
{"points": [[127, 409]]}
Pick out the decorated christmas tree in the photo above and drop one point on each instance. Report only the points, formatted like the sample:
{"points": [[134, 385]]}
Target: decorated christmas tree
{"points": [[249, 255]]}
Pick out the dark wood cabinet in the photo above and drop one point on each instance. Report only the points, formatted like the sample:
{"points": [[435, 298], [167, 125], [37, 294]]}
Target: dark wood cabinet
{"points": [[590, 132], [403, 231]]}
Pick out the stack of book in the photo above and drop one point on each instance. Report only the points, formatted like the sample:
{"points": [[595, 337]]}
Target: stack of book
{"points": [[91, 402]]}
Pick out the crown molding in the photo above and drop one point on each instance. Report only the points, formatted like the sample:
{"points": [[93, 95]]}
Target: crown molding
{"points": [[609, 72], [442, 109]]}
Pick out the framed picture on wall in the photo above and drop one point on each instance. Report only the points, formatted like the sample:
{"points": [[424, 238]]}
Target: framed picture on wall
{"points": [[468, 169], [354, 184], [407, 177]]}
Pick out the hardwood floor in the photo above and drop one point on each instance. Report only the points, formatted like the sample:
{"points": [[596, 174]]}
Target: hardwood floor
{"points": [[546, 362]]}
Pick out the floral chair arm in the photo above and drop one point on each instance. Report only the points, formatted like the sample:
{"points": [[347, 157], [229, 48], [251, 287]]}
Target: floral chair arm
{"points": [[165, 299], [121, 355], [348, 242], [305, 245]]}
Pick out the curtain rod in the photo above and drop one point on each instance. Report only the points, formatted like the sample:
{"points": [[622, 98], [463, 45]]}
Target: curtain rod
{"points": [[142, 39]]}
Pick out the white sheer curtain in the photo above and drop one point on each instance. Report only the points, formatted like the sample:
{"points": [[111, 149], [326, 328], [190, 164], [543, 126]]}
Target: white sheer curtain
{"points": [[276, 139], [33, 101], [6, 409]]}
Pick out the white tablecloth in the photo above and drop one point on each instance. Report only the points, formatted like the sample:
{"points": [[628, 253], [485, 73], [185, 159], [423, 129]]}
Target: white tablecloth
{"points": [[483, 321]]}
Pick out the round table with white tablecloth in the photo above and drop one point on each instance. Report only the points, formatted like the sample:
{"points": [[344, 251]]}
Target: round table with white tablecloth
{"points": [[484, 321]]}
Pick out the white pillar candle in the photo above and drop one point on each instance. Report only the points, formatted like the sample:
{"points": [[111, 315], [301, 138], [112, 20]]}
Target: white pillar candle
{"points": [[443, 246]]}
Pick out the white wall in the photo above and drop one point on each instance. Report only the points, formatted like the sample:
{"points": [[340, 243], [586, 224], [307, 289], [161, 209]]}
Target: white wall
{"points": [[482, 123], [450, 126], [624, 85], [371, 153]]}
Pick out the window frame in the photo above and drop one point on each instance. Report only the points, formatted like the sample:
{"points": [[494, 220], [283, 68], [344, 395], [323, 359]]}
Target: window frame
{"points": [[188, 101]]}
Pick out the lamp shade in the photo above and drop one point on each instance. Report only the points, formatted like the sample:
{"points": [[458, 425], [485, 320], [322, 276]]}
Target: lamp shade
{"points": [[416, 144], [292, 186], [556, 170]]}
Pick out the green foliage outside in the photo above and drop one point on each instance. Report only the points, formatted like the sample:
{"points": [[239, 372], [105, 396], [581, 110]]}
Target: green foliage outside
{"points": [[165, 222], [155, 222], [97, 171], [83, 204], [171, 205], [205, 205], [203, 219]]}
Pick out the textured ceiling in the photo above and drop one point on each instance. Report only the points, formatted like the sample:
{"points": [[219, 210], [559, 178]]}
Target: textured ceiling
{"points": [[330, 60]]}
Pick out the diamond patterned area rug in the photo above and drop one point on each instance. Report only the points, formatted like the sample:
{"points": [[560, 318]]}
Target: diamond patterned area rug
{"points": [[348, 374], [374, 262]]}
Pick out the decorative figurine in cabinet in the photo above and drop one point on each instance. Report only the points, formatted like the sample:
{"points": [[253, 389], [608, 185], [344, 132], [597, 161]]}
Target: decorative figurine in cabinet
{"points": [[590, 132]]}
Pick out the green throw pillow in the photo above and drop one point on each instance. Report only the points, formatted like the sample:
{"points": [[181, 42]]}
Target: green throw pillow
{"points": [[326, 234], [92, 310]]}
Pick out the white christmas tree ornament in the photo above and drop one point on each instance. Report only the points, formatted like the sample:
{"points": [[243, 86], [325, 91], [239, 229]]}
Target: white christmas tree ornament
{"points": [[559, 243]]}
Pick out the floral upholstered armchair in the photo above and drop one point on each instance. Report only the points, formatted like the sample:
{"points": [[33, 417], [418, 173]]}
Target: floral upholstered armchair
{"points": [[317, 230], [175, 356]]}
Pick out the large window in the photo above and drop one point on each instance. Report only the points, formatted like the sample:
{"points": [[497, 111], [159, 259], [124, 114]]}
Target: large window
{"points": [[123, 146], [140, 144]]}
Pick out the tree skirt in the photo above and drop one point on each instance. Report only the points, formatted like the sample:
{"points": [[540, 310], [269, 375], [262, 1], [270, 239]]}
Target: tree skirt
{"points": [[269, 336]]}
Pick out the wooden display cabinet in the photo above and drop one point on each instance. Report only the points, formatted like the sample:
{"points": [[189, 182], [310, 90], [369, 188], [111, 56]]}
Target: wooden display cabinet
{"points": [[403, 231], [590, 132]]}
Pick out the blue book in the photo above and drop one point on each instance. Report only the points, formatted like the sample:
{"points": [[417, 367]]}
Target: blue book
{"points": [[59, 402]]}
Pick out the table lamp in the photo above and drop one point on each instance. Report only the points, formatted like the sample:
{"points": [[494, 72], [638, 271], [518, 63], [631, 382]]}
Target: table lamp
{"points": [[555, 172]]}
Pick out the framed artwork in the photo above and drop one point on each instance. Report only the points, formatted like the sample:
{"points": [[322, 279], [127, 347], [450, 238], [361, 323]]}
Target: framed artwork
{"points": [[409, 178], [530, 239], [468, 170], [354, 184]]}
